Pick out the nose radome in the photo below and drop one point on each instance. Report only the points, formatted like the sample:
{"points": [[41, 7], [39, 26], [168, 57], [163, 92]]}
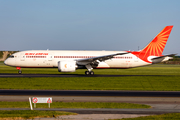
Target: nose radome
{"points": [[6, 62]]}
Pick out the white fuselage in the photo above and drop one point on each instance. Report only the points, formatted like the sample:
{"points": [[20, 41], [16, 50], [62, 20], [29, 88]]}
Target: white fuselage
{"points": [[50, 58]]}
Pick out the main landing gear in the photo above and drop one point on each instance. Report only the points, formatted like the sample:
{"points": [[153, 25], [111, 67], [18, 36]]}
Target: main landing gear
{"points": [[89, 72], [19, 70], [89, 68]]}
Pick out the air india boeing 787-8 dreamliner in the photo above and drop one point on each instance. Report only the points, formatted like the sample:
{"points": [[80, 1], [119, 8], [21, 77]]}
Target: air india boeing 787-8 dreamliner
{"points": [[69, 61]]}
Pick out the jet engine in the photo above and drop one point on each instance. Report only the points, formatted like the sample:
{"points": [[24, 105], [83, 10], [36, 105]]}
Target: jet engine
{"points": [[67, 66]]}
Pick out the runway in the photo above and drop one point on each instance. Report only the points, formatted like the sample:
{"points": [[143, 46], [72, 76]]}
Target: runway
{"points": [[91, 93], [3, 75]]}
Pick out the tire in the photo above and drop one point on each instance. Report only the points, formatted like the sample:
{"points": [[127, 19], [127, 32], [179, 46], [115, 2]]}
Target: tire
{"points": [[91, 73], [87, 72], [19, 71]]}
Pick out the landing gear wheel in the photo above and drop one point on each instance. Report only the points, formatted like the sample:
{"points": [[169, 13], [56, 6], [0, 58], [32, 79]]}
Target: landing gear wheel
{"points": [[19, 71], [91, 73], [87, 72]]}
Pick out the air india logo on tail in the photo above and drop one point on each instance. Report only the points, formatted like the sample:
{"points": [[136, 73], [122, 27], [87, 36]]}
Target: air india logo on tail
{"points": [[156, 46]]}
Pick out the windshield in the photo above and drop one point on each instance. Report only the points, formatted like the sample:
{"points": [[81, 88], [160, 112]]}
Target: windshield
{"points": [[12, 56]]}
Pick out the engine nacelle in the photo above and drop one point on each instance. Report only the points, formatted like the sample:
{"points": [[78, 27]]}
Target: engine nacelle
{"points": [[67, 66]]}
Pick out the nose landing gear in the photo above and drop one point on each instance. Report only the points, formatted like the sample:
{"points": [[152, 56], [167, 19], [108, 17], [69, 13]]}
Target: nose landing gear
{"points": [[19, 70]]}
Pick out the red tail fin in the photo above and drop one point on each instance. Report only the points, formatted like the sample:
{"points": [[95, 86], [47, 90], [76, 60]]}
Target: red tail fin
{"points": [[156, 46]]}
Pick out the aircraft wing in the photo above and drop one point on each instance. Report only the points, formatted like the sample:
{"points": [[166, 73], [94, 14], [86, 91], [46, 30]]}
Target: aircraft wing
{"points": [[99, 58]]}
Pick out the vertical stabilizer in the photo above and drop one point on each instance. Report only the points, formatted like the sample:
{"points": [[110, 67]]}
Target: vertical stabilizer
{"points": [[156, 46]]}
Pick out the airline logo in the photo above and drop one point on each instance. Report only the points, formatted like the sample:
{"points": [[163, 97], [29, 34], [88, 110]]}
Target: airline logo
{"points": [[65, 65], [156, 46], [36, 53]]}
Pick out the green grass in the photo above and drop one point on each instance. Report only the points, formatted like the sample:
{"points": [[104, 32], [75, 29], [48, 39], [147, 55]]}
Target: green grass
{"points": [[168, 116], [17, 114], [147, 83], [4, 104]]}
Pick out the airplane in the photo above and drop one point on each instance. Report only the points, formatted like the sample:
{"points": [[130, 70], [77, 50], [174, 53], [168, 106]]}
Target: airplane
{"points": [[70, 61]]}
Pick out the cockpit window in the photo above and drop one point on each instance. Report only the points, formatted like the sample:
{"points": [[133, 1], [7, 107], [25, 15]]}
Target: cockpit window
{"points": [[12, 56]]}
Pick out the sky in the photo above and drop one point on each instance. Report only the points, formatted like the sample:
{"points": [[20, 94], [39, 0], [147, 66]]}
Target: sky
{"points": [[113, 25]]}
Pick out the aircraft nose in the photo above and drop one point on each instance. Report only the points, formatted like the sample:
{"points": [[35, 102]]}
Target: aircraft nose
{"points": [[6, 62]]}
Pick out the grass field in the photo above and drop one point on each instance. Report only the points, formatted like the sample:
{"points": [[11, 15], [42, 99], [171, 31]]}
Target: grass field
{"points": [[19, 114], [164, 78], [4, 104], [151, 83]]}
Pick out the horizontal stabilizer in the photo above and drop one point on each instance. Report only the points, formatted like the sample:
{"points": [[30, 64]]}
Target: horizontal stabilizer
{"points": [[170, 55], [162, 58]]}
